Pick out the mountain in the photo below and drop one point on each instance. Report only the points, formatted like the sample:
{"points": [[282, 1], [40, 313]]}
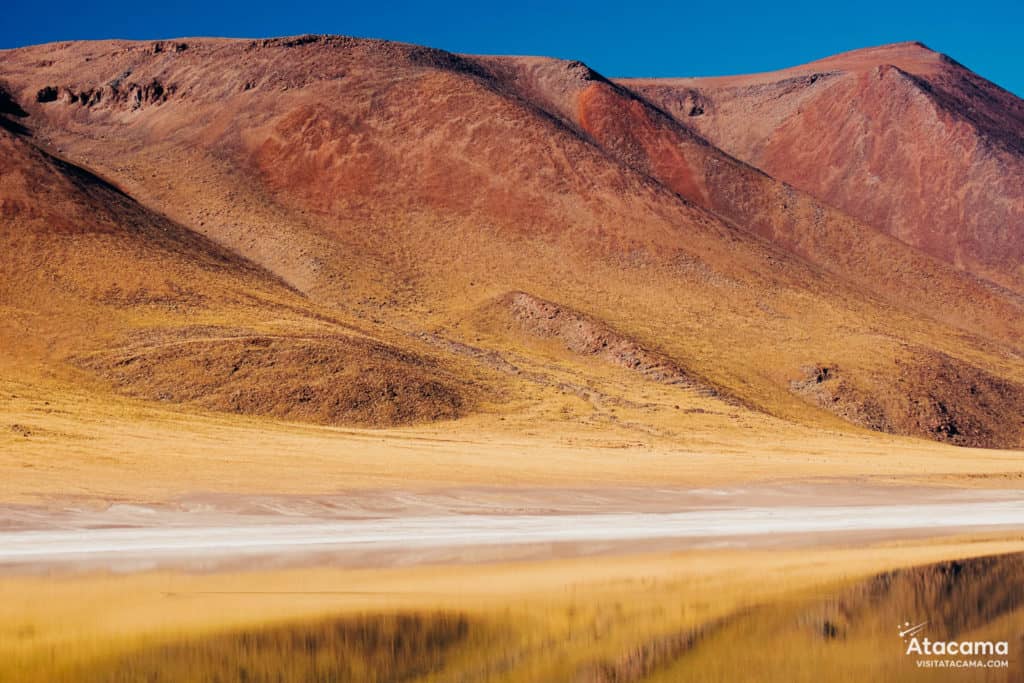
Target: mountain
{"points": [[354, 231], [900, 137], [643, 137], [107, 287]]}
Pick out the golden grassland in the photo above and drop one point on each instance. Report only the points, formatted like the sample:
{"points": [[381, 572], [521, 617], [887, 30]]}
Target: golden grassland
{"points": [[562, 620], [60, 442]]}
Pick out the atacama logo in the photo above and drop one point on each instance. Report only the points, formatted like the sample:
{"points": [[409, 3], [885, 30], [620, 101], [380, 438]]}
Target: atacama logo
{"points": [[925, 647], [907, 631]]}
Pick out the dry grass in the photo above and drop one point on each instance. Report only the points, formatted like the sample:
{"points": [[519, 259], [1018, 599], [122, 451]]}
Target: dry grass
{"points": [[58, 443]]}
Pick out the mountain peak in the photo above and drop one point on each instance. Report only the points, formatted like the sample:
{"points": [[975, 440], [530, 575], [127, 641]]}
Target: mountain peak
{"points": [[911, 56]]}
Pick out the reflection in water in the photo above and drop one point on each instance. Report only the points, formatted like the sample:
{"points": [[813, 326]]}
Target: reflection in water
{"points": [[861, 634], [370, 648], [852, 635]]}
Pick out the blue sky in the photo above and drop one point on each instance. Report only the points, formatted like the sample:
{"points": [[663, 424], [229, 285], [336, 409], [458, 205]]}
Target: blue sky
{"points": [[694, 38]]}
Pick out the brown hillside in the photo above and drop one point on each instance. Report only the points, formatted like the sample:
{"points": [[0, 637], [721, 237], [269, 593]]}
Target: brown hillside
{"points": [[85, 267]]}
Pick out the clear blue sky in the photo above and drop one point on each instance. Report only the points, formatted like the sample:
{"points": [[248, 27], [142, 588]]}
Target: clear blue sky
{"points": [[690, 38]]}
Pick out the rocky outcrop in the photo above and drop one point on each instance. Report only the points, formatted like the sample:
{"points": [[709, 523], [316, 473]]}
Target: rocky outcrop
{"points": [[587, 336], [115, 94], [928, 394]]}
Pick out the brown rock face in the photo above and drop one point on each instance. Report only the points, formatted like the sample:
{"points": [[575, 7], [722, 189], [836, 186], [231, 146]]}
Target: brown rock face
{"points": [[900, 137]]}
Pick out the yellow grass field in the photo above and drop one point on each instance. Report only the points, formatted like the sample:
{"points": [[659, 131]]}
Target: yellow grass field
{"points": [[61, 443]]}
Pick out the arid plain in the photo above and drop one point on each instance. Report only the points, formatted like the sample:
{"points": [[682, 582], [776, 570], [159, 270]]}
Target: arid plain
{"points": [[322, 278]]}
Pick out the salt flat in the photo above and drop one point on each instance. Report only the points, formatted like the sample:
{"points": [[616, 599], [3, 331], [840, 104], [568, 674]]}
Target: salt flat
{"points": [[693, 517]]}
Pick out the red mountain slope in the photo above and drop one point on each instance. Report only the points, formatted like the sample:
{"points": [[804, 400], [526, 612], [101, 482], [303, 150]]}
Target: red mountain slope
{"points": [[901, 137]]}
